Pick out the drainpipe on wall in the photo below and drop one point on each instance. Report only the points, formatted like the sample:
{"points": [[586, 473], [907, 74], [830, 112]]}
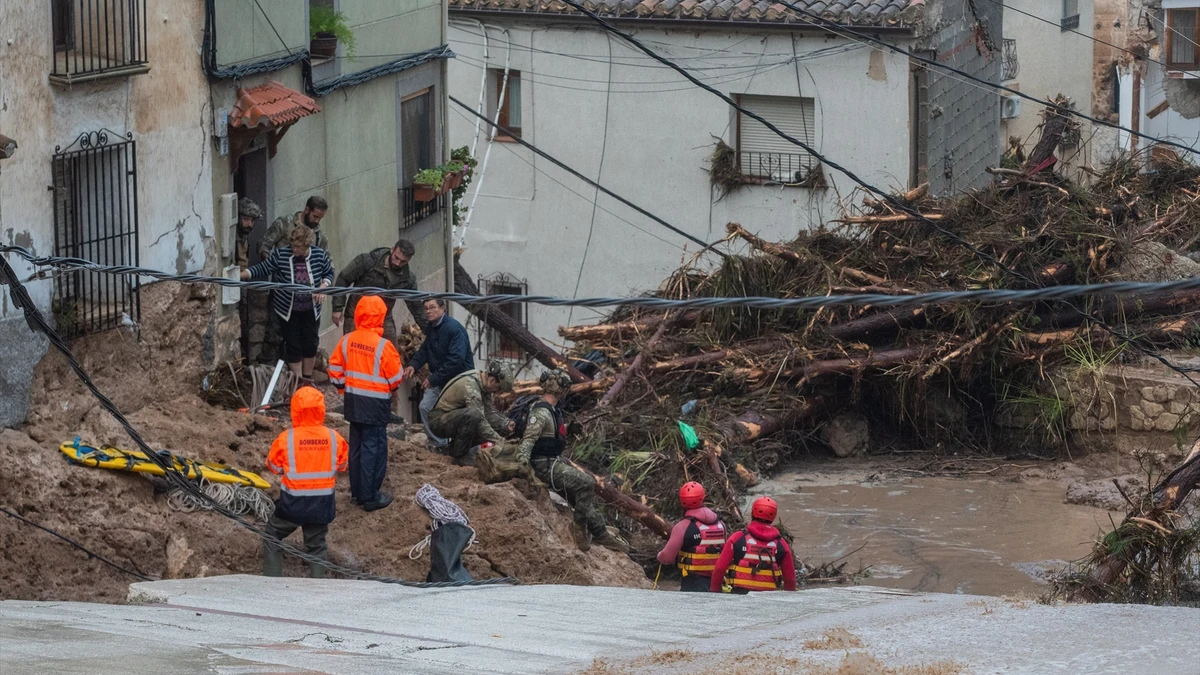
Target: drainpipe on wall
{"points": [[8, 147]]}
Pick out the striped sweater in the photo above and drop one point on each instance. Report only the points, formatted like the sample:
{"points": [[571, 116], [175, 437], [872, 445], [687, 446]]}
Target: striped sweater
{"points": [[278, 268]]}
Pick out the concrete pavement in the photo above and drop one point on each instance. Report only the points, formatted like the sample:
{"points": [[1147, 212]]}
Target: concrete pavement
{"points": [[246, 624]]}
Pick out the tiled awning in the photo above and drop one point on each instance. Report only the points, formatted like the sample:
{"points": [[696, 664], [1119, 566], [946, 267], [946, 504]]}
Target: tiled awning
{"points": [[270, 105]]}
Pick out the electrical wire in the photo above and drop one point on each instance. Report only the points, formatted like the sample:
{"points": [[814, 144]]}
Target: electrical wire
{"points": [[21, 299], [72, 542], [273, 29], [1058, 24], [589, 181]]}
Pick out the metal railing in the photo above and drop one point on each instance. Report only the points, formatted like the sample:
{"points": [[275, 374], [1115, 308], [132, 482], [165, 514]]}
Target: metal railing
{"points": [[776, 167], [1010, 66], [96, 218], [97, 38], [413, 211]]}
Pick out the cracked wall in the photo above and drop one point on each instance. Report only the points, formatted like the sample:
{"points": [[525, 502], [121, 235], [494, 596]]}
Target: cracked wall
{"points": [[166, 110]]}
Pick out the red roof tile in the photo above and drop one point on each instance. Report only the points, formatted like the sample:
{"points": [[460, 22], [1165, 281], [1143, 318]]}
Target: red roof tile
{"points": [[856, 12], [270, 105]]}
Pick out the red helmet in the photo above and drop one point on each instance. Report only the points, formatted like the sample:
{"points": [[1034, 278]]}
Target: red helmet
{"points": [[764, 509], [691, 495]]}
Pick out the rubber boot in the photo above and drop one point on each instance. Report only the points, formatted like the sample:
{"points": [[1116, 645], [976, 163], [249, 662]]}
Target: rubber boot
{"points": [[580, 535], [612, 541], [317, 571], [272, 561]]}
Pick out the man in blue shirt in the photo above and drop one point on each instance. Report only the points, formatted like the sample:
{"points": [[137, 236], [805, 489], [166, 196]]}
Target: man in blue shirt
{"points": [[447, 352]]}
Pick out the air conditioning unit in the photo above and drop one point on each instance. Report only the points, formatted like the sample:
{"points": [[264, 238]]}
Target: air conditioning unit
{"points": [[1010, 107]]}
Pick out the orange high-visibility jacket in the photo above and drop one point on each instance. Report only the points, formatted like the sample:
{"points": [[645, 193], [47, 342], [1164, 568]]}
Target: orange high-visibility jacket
{"points": [[309, 455], [364, 363]]}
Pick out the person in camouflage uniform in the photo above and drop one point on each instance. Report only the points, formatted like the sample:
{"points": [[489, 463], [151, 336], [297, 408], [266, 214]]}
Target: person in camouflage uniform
{"points": [[279, 234], [255, 308], [380, 268], [541, 450], [248, 214], [464, 412]]}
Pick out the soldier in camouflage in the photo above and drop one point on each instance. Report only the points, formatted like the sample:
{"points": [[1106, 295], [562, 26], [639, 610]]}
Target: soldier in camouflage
{"points": [[464, 413], [541, 449], [380, 268], [279, 234]]}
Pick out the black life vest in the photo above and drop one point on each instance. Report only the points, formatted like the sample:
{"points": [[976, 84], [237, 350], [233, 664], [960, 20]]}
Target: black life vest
{"points": [[550, 446]]}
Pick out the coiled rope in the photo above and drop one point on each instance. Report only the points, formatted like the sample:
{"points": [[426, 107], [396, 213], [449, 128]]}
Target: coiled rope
{"points": [[442, 511], [239, 499]]}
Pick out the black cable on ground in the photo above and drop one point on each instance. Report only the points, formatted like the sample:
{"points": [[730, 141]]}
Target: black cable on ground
{"points": [[885, 196], [589, 181], [21, 299], [72, 542]]}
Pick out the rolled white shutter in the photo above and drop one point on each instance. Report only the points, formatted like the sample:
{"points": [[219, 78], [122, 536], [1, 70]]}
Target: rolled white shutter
{"points": [[765, 154]]}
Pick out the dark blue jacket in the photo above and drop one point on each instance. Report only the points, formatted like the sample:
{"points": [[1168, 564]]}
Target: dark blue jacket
{"points": [[447, 350]]}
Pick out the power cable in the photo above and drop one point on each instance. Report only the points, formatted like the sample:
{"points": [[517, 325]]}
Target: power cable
{"points": [[589, 181], [1057, 24], [37, 323], [72, 542], [272, 25], [885, 196], [987, 295]]}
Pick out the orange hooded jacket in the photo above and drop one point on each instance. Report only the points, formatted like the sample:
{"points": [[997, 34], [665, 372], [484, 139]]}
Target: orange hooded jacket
{"points": [[366, 367], [307, 457]]}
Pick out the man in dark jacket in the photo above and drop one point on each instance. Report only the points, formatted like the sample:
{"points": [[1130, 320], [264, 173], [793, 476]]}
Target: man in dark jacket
{"points": [[380, 268], [447, 352]]}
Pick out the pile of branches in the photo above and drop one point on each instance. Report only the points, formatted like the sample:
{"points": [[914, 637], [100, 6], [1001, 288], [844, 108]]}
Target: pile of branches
{"points": [[762, 381]]}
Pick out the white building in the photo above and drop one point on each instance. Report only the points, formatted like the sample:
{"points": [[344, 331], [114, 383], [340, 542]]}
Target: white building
{"points": [[1048, 50], [641, 130], [1160, 96]]}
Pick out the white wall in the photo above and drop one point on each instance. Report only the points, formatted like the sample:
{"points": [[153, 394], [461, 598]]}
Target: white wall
{"points": [[1053, 61], [1169, 124], [648, 136]]}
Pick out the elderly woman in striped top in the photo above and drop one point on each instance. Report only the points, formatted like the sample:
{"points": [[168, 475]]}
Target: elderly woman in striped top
{"points": [[299, 313]]}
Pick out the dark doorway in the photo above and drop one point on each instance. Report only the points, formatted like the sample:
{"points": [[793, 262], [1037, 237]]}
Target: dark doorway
{"points": [[250, 180]]}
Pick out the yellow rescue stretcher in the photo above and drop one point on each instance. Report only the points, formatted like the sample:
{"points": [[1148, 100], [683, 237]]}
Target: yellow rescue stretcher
{"points": [[136, 461]]}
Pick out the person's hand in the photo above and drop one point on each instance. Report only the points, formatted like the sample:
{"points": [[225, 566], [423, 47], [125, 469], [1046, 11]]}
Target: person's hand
{"points": [[318, 298], [337, 318], [512, 426], [408, 370], [425, 383], [245, 275]]}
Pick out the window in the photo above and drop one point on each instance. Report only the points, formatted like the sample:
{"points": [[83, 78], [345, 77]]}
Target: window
{"points": [[1070, 15], [763, 154], [510, 108], [500, 345], [417, 149], [1182, 31], [1009, 66], [97, 38], [95, 218]]}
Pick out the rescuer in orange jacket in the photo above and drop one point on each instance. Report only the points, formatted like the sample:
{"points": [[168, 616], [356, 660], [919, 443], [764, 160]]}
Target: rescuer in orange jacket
{"points": [[307, 458], [366, 368], [696, 540], [756, 558]]}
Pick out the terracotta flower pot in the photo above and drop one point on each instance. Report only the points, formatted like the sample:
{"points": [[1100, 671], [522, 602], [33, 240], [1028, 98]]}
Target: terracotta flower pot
{"points": [[323, 46], [452, 181], [424, 193]]}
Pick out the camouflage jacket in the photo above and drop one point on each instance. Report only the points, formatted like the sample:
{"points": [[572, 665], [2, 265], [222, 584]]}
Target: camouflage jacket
{"points": [[373, 269], [279, 234], [539, 425], [466, 392]]}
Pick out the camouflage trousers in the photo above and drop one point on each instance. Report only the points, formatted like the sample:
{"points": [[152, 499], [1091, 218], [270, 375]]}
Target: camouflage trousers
{"points": [[578, 488], [462, 427], [260, 329]]}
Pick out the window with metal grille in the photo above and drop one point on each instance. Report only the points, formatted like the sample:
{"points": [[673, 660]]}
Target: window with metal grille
{"points": [[418, 151], [1070, 15], [500, 345], [96, 218], [98, 38], [1010, 66], [763, 154], [1183, 32]]}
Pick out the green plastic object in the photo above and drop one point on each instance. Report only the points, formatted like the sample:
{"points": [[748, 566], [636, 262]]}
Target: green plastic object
{"points": [[689, 435]]}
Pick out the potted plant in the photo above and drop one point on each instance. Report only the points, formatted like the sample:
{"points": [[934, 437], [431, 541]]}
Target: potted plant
{"points": [[453, 172], [428, 184], [326, 27], [463, 156]]}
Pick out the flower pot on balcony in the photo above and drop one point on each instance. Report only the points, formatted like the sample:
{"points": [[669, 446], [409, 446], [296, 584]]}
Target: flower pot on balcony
{"points": [[452, 180], [424, 193], [323, 46]]}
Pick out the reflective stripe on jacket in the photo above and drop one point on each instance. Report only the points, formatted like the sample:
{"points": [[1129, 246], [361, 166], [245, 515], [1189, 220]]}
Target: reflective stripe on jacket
{"points": [[365, 366], [701, 547], [307, 458]]}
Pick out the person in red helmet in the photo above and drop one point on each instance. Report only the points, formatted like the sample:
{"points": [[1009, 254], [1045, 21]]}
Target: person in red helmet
{"points": [[696, 540], [756, 558]]}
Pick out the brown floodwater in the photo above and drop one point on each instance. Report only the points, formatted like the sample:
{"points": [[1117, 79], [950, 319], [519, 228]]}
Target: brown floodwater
{"points": [[946, 535]]}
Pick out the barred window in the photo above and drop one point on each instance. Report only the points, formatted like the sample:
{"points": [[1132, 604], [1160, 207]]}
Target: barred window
{"points": [[96, 218], [763, 154], [97, 38]]}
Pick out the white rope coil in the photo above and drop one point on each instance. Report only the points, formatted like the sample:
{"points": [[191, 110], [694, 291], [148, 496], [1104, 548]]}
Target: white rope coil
{"points": [[442, 511], [241, 499]]}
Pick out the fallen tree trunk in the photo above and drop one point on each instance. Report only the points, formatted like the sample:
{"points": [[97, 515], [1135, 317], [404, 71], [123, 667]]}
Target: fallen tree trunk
{"points": [[637, 508], [636, 366], [492, 316], [785, 253], [625, 329], [1130, 306], [887, 218], [752, 425], [1055, 125], [888, 321], [764, 347], [883, 358]]}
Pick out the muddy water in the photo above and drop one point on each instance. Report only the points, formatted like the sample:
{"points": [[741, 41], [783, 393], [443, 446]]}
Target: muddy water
{"points": [[947, 535]]}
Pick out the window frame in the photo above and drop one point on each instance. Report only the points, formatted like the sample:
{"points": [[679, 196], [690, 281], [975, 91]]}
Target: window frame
{"points": [[758, 178], [499, 345], [98, 46], [505, 110], [413, 212], [1170, 40], [1070, 15]]}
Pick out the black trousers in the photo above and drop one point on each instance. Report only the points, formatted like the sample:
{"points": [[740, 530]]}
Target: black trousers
{"points": [[694, 583], [300, 336], [368, 461]]}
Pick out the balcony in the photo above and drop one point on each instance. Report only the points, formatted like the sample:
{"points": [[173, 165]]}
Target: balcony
{"points": [[95, 39], [413, 211], [1010, 67]]}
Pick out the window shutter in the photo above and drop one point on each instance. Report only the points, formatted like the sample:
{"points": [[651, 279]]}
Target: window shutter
{"points": [[765, 154]]}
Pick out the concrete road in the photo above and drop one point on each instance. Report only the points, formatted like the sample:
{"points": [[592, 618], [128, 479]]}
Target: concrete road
{"points": [[245, 624]]}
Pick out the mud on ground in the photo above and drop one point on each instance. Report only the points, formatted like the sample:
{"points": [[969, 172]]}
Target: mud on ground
{"points": [[154, 380]]}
